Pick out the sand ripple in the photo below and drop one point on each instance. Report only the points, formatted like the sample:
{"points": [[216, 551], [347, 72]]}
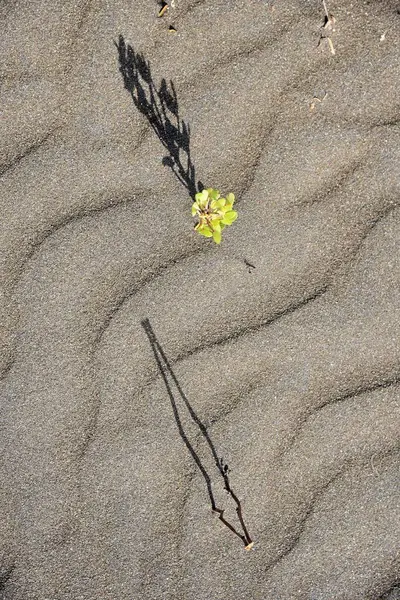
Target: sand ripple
{"points": [[291, 365]]}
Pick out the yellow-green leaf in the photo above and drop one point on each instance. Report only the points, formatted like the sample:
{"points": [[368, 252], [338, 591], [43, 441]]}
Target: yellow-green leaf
{"points": [[220, 204], [206, 231], [216, 225], [213, 194], [230, 217], [217, 236], [202, 198]]}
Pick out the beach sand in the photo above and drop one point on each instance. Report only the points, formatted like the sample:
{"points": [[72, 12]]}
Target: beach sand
{"points": [[137, 355]]}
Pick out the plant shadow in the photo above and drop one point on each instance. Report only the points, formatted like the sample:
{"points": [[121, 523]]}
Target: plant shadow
{"points": [[161, 109], [170, 381]]}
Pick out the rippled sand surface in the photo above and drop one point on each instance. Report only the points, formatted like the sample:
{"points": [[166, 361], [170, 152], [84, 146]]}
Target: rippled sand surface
{"points": [[136, 355]]}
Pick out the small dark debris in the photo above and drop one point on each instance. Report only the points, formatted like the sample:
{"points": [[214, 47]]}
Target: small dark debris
{"points": [[249, 265]]}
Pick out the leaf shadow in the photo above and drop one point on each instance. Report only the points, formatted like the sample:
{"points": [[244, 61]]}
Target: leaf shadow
{"points": [[161, 109]]}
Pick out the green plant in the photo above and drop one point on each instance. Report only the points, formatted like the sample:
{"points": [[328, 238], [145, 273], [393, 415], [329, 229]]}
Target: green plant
{"points": [[213, 212]]}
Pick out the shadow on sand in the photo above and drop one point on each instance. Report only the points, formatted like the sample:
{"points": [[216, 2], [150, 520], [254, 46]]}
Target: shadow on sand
{"points": [[171, 382], [160, 107]]}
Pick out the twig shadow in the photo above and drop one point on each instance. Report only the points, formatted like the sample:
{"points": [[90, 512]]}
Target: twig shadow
{"points": [[161, 109], [171, 381]]}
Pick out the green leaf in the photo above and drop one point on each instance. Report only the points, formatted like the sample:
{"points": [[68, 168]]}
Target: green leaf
{"points": [[216, 225], [228, 206], [213, 204], [202, 198], [230, 217], [217, 236], [230, 198], [220, 204], [195, 208], [213, 194], [206, 231]]}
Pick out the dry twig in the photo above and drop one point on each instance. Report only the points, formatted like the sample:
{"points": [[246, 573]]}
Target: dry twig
{"points": [[316, 99]]}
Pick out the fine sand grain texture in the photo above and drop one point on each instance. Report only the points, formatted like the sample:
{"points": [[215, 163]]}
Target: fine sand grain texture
{"points": [[149, 375]]}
